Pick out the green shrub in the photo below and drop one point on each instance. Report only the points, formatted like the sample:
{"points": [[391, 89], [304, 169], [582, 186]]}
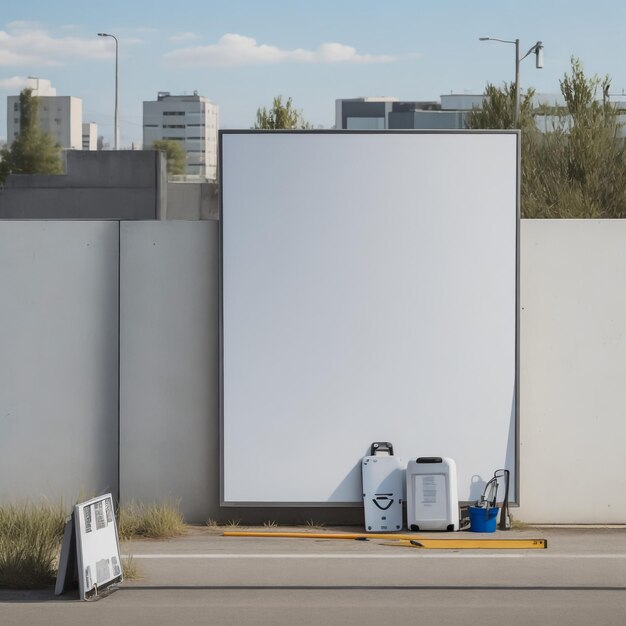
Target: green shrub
{"points": [[575, 168], [30, 536]]}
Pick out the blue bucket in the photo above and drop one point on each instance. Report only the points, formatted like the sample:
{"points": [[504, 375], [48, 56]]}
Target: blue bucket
{"points": [[483, 520]]}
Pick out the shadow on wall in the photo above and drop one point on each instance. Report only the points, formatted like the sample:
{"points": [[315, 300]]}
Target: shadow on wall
{"points": [[192, 201]]}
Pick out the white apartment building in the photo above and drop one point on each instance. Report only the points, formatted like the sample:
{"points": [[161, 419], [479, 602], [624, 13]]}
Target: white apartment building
{"points": [[60, 116], [192, 120], [90, 136]]}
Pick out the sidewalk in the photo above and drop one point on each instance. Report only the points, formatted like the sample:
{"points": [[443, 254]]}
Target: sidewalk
{"points": [[206, 578]]}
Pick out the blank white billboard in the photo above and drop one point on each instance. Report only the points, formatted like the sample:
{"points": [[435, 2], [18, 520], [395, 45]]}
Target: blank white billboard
{"points": [[369, 293]]}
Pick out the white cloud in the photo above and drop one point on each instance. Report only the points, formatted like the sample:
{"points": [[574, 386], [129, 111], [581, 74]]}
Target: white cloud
{"points": [[130, 41], [182, 37], [14, 83], [28, 44], [144, 30], [233, 50], [23, 25]]}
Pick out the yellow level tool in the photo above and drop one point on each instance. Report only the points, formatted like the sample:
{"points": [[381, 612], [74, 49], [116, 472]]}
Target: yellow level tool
{"points": [[472, 544], [413, 541]]}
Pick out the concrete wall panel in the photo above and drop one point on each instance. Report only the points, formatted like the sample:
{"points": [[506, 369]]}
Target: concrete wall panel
{"points": [[100, 185], [573, 368], [58, 360], [169, 364]]}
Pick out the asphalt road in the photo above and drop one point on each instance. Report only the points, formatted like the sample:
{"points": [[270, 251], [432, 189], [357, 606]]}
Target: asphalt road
{"points": [[204, 578]]}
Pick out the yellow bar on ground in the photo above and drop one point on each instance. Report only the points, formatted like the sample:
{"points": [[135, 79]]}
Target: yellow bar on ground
{"points": [[473, 544], [413, 541]]}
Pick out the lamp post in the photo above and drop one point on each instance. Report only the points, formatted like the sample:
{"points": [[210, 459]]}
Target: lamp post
{"points": [[37, 79], [537, 49], [117, 114]]}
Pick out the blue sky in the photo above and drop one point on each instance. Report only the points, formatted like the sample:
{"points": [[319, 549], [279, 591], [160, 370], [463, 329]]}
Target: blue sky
{"points": [[241, 53]]}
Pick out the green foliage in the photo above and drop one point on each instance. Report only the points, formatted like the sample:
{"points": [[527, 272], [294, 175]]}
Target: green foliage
{"points": [[174, 154], [578, 165], [29, 541], [498, 110], [581, 93], [157, 521], [576, 168], [33, 151], [280, 116]]}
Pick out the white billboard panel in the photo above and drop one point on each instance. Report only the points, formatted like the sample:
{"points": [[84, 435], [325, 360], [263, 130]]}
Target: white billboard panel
{"points": [[369, 293]]}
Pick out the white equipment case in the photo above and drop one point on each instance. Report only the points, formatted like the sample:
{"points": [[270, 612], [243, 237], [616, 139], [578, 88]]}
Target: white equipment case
{"points": [[383, 488], [432, 494]]}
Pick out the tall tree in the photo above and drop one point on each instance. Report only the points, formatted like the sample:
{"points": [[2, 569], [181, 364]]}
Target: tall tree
{"points": [[576, 166], [174, 154], [498, 109], [579, 163], [280, 116], [33, 151]]}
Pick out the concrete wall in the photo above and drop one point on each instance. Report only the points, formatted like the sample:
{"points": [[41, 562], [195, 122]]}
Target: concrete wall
{"points": [[58, 360], [169, 364], [191, 201], [59, 368], [126, 184], [573, 368]]}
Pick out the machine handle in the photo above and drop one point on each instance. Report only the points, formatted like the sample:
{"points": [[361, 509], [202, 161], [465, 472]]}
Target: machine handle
{"points": [[377, 502], [379, 447]]}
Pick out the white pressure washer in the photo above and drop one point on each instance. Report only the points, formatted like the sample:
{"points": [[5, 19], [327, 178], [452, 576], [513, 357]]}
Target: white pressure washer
{"points": [[383, 488], [432, 501]]}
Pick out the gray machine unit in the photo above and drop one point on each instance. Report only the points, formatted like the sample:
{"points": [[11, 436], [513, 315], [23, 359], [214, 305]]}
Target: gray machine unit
{"points": [[432, 501], [383, 488]]}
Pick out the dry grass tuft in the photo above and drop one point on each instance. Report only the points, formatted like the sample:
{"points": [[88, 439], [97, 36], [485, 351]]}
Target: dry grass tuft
{"points": [[311, 523], [157, 521], [30, 536], [130, 569], [518, 524], [233, 523]]}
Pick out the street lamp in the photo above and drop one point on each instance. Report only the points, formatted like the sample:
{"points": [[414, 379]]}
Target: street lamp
{"points": [[117, 114], [37, 79], [537, 50]]}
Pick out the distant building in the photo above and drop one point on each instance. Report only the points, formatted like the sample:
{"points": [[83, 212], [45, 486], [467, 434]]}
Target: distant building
{"points": [[60, 116], [363, 113], [450, 113], [461, 101], [191, 120], [381, 113], [90, 136]]}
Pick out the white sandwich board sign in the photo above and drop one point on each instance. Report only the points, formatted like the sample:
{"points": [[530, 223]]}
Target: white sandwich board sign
{"points": [[91, 549]]}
